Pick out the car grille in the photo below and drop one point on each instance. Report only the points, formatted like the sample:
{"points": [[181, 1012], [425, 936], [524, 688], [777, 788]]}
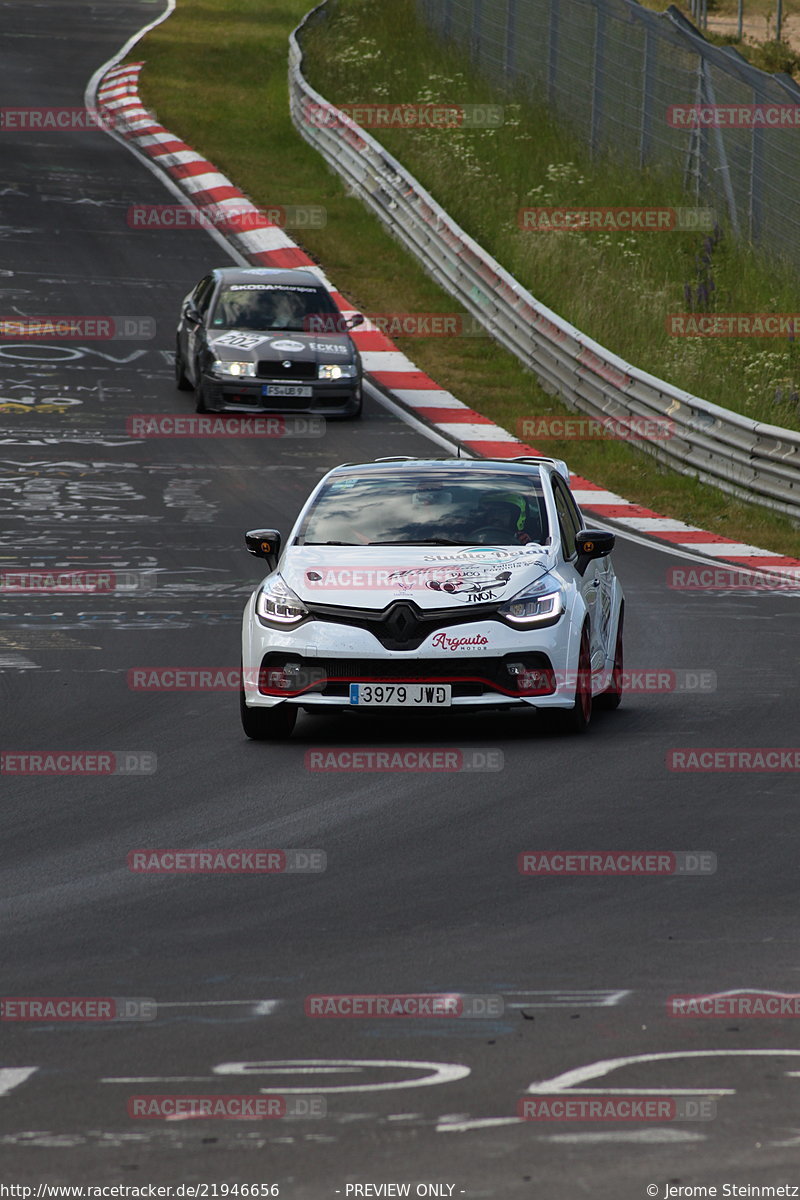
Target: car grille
{"points": [[274, 369], [402, 626]]}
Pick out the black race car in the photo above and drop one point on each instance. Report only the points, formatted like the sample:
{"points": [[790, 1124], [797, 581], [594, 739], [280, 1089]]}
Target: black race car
{"points": [[264, 340]]}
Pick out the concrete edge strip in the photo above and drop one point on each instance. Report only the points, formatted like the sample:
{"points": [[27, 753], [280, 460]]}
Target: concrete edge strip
{"points": [[219, 205]]}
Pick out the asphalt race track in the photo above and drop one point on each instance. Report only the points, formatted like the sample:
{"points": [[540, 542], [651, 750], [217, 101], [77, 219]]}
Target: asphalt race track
{"points": [[421, 893]]}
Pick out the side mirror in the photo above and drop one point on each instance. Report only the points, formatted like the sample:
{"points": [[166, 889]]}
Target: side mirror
{"points": [[264, 543], [356, 319], [592, 543], [191, 315]]}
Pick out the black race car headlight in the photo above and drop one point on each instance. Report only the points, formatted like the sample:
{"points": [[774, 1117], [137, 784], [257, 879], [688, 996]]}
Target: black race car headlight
{"points": [[337, 371], [233, 369], [278, 604], [540, 603]]}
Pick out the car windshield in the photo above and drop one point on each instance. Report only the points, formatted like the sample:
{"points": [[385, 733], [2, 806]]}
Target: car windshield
{"points": [[273, 306], [435, 507]]}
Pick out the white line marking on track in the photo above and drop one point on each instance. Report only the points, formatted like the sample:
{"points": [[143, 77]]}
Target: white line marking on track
{"points": [[215, 1003], [438, 1072], [479, 1123], [11, 1077], [647, 1137], [568, 1080], [563, 998]]}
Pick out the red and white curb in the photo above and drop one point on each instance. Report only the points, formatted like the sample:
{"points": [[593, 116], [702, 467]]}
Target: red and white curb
{"points": [[200, 181]]}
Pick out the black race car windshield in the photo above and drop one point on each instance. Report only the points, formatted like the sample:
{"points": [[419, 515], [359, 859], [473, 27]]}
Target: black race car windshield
{"points": [[463, 508], [295, 308]]}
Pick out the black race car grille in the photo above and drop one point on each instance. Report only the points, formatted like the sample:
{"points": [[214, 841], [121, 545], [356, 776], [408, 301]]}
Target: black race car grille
{"points": [[274, 369], [402, 626], [476, 676]]}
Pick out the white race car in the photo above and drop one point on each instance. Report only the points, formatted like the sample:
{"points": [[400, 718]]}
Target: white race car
{"points": [[434, 584]]}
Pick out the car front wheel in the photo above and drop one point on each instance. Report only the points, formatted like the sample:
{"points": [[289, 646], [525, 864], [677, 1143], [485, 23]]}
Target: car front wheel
{"points": [[182, 381], [577, 718]]}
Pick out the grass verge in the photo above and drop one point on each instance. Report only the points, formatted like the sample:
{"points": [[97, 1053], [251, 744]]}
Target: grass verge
{"points": [[216, 75]]}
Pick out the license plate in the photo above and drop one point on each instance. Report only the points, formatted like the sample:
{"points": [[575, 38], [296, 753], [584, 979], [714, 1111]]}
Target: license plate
{"points": [[285, 389], [401, 695]]}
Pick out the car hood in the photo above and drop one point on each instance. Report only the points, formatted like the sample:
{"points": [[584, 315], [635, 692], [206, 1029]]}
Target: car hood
{"points": [[430, 576], [251, 345]]}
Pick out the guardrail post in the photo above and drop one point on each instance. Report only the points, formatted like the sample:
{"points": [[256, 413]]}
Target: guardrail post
{"points": [[598, 75], [511, 37], [648, 97], [552, 52]]}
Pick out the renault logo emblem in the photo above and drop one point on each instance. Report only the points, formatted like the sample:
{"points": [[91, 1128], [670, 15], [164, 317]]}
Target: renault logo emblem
{"points": [[401, 622]]}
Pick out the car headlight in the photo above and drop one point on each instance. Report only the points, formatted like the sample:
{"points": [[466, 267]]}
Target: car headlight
{"points": [[539, 602], [235, 369], [277, 602], [337, 371]]}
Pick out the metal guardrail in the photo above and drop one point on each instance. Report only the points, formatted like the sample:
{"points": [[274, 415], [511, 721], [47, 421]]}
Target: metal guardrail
{"points": [[748, 459]]}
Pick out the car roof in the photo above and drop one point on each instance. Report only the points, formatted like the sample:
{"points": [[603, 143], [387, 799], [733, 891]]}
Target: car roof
{"points": [[295, 275], [524, 467]]}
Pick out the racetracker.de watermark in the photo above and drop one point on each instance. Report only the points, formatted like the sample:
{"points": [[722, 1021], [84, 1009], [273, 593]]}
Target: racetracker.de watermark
{"points": [[421, 325], [69, 582], [733, 325], [83, 329], [78, 762], [737, 1003], [647, 681], [387, 115], [225, 1108], [584, 429], [394, 759], [154, 425], [617, 862], [715, 579], [232, 217], [77, 1008], [227, 862], [223, 679], [564, 1107], [54, 120], [734, 116], [730, 759], [400, 1004], [618, 219]]}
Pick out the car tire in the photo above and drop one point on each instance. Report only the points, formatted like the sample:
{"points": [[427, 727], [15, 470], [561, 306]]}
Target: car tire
{"points": [[611, 698], [577, 718], [356, 416], [266, 724], [182, 381]]}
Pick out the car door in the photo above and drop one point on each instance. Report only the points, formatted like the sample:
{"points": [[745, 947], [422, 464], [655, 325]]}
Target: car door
{"points": [[590, 583]]}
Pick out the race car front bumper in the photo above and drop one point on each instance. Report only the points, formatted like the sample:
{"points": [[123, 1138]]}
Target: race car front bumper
{"points": [[486, 663], [337, 398]]}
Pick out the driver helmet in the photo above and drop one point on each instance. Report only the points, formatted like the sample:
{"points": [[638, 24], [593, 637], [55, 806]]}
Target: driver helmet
{"points": [[511, 505]]}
